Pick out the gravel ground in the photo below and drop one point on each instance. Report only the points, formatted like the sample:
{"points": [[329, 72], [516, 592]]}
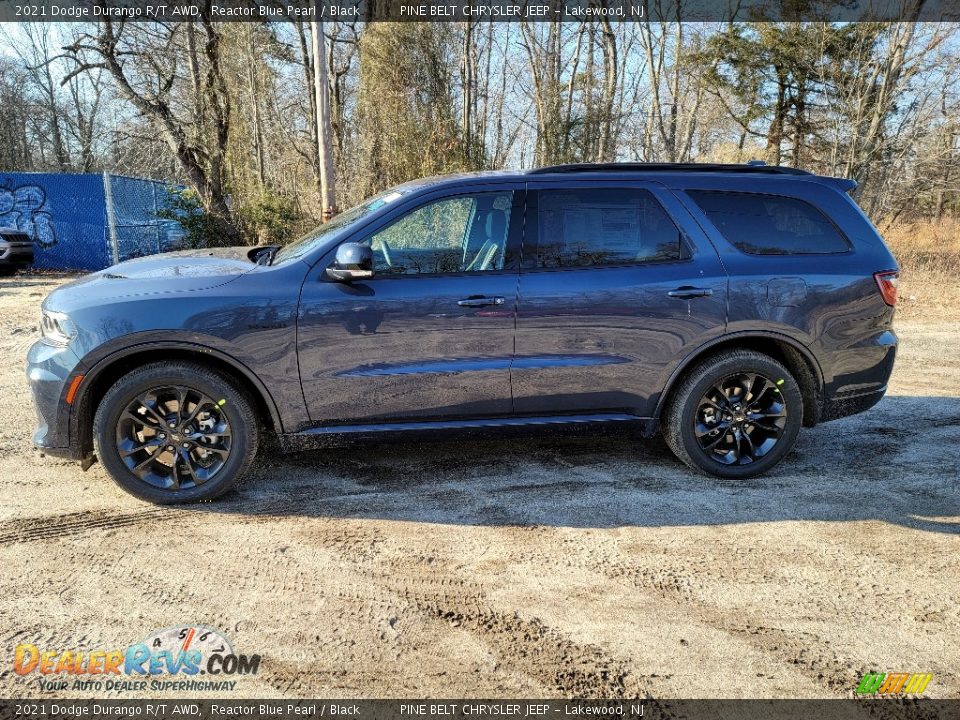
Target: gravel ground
{"points": [[562, 567]]}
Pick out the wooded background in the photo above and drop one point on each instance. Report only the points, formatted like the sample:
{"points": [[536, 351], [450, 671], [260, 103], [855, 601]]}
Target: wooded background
{"points": [[230, 110]]}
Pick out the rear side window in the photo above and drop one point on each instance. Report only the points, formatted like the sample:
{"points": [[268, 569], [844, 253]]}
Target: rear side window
{"points": [[770, 224], [603, 227]]}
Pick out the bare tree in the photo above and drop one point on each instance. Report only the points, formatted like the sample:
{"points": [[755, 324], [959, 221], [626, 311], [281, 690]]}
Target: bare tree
{"points": [[144, 61]]}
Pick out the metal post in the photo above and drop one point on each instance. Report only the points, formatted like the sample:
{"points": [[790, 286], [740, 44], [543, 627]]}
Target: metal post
{"points": [[111, 218]]}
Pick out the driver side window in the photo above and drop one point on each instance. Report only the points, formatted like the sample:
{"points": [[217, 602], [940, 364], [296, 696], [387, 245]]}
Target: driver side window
{"points": [[466, 233]]}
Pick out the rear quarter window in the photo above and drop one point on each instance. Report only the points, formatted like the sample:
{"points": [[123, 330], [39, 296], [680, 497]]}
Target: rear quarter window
{"points": [[761, 224]]}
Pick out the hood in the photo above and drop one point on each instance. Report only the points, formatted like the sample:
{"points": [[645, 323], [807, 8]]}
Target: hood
{"points": [[176, 272], [216, 266]]}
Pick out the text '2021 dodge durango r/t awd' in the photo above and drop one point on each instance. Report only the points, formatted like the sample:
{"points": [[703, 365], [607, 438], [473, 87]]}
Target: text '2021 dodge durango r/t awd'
{"points": [[723, 305]]}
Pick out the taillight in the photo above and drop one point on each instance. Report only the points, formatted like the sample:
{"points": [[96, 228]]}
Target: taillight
{"points": [[887, 282]]}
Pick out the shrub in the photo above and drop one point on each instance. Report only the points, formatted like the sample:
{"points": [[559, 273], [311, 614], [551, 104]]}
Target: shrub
{"points": [[271, 219], [202, 229]]}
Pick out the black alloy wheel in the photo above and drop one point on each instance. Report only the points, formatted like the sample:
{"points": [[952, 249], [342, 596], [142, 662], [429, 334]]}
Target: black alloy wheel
{"points": [[176, 432], [740, 419], [174, 437], [735, 414]]}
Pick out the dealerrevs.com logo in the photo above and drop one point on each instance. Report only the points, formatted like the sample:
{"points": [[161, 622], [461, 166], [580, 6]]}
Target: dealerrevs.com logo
{"points": [[170, 659]]}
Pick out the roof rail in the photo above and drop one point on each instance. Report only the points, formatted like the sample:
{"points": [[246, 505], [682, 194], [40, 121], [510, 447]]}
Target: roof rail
{"points": [[667, 167]]}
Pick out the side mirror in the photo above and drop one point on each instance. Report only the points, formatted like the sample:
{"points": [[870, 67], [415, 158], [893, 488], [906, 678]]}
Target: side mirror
{"points": [[353, 262]]}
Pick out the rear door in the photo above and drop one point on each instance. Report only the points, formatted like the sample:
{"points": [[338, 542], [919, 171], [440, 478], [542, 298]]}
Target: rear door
{"points": [[617, 284]]}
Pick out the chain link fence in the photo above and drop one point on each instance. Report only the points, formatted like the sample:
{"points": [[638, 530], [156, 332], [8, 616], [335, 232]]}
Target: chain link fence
{"points": [[87, 222]]}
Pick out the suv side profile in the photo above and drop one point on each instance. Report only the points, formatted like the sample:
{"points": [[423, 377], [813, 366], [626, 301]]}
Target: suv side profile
{"points": [[724, 305]]}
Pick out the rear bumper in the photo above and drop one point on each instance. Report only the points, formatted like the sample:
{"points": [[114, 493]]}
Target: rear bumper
{"points": [[49, 369], [863, 384], [840, 407]]}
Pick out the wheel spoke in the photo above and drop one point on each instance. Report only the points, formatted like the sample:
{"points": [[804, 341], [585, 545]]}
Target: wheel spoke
{"points": [[721, 394], [710, 431], [182, 393], [759, 386], [716, 406], [142, 465], [152, 409], [223, 452], [198, 436], [149, 418], [175, 472], [186, 457], [153, 442], [751, 449], [198, 408], [716, 441], [764, 425]]}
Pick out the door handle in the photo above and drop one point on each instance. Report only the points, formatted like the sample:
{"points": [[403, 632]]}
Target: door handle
{"points": [[478, 301], [688, 292]]}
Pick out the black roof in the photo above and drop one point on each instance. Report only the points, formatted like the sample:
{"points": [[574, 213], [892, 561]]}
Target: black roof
{"points": [[758, 168]]}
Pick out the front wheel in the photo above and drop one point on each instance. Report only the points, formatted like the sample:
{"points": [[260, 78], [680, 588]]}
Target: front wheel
{"points": [[735, 415], [175, 433]]}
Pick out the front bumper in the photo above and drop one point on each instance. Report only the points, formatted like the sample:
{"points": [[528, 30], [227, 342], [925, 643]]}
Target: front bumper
{"points": [[16, 253], [49, 371]]}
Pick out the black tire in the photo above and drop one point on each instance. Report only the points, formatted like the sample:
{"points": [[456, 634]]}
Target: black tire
{"points": [[223, 450], [8, 270], [696, 405]]}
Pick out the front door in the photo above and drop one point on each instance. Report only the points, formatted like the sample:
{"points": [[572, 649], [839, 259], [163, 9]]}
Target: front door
{"points": [[612, 295], [430, 337]]}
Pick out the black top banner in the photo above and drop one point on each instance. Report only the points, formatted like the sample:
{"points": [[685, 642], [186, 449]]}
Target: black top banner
{"points": [[480, 10]]}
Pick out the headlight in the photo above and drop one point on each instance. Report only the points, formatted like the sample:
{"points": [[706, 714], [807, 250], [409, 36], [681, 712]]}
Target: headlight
{"points": [[57, 328]]}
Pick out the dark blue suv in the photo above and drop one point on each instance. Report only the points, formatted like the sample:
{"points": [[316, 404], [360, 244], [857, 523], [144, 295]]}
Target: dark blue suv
{"points": [[723, 305]]}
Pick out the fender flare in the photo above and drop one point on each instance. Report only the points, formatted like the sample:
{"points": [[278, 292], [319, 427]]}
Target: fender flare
{"points": [[705, 349], [96, 369]]}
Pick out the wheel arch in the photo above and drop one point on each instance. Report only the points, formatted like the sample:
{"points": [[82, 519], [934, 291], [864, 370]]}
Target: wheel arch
{"points": [[797, 358], [108, 370]]}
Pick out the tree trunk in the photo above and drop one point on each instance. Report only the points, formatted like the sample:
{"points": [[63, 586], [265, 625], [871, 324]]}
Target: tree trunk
{"points": [[328, 195]]}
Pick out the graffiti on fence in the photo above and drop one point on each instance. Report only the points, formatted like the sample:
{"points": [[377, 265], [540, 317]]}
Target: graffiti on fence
{"points": [[25, 208]]}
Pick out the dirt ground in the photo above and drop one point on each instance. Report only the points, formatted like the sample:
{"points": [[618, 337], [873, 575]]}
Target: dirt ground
{"points": [[523, 568]]}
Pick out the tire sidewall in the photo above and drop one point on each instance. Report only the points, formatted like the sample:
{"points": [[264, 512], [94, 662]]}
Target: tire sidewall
{"points": [[236, 409], [792, 397]]}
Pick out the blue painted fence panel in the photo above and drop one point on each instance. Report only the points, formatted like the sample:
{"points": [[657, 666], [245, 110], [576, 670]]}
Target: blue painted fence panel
{"points": [[69, 218]]}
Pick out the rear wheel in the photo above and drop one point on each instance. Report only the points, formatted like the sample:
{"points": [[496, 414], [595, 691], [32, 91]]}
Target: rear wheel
{"points": [[735, 415], [175, 433]]}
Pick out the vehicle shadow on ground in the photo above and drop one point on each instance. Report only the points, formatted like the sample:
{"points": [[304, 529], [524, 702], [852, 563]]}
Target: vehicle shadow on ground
{"points": [[898, 463]]}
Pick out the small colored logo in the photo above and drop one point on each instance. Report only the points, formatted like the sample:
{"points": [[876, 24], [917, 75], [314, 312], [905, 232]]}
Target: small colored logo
{"points": [[894, 684]]}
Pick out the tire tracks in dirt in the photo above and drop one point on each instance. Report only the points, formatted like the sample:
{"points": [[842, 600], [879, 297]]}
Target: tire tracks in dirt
{"points": [[52, 527], [526, 646], [678, 586]]}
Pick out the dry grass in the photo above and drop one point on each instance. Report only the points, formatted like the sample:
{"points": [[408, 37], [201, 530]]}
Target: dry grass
{"points": [[926, 247], [929, 254]]}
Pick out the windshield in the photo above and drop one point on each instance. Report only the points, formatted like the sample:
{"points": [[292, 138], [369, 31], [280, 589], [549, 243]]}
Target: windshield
{"points": [[318, 236]]}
